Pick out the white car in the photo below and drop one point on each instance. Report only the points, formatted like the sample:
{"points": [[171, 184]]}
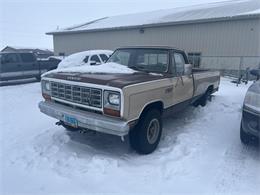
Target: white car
{"points": [[91, 57]]}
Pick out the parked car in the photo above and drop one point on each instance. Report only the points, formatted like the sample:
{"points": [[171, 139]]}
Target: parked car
{"points": [[127, 95], [250, 123], [19, 65], [91, 57]]}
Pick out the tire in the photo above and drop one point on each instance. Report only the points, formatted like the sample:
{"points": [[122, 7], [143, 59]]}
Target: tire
{"points": [[204, 99], [244, 137], [145, 137], [248, 139]]}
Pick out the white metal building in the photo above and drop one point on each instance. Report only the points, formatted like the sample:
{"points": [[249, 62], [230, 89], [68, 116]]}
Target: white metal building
{"points": [[229, 28]]}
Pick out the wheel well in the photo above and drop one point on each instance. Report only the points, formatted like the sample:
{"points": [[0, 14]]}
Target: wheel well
{"points": [[155, 105], [210, 88]]}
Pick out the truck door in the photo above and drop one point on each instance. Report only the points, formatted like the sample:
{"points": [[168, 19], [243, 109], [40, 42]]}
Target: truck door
{"points": [[29, 65], [183, 84], [10, 66]]}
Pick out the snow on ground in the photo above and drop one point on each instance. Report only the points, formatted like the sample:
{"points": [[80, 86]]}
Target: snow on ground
{"points": [[200, 152]]}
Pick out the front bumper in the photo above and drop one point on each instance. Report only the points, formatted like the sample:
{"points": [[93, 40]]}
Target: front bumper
{"points": [[251, 122], [85, 119]]}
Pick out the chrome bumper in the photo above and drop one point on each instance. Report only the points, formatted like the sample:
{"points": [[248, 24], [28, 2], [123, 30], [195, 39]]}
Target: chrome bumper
{"points": [[86, 120]]}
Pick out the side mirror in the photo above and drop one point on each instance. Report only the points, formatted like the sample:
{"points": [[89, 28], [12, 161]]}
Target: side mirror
{"points": [[187, 69]]}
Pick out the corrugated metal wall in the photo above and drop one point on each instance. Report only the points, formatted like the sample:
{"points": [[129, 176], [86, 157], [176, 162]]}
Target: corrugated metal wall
{"points": [[226, 38]]}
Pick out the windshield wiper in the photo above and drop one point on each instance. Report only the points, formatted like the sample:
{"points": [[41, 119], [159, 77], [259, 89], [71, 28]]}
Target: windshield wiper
{"points": [[138, 68]]}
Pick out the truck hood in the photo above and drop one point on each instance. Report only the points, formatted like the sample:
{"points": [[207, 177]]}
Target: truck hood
{"points": [[113, 80]]}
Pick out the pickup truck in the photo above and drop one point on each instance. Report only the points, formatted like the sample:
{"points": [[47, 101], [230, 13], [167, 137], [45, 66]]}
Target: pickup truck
{"points": [[160, 83], [20, 65]]}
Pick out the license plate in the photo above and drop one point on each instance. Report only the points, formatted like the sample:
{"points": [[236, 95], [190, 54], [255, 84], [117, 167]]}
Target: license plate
{"points": [[71, 121]]}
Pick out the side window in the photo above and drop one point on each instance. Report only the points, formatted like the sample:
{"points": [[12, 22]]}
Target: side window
{"points": [[194, 58], [86, 59], [10, 58], [27, 57], [103, 57], [179, 63], [95, 58]]}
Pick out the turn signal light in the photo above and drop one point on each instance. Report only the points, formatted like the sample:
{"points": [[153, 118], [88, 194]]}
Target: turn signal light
{"points": [[112, 112], [46, 97]]}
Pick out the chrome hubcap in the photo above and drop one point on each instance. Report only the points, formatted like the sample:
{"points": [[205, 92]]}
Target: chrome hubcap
{"points": [[153, 131]]}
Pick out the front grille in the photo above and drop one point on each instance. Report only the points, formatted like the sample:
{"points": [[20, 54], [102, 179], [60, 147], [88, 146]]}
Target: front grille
{"points": [[77, 94]]}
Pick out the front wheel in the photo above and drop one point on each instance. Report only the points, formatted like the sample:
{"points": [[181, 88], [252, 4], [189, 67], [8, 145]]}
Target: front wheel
{"points": [[145, 137]]}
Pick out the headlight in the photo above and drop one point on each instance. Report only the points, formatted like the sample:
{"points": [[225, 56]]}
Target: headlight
{"points": [[252, 101], [114, 99], [112, 103], [46, 87]]}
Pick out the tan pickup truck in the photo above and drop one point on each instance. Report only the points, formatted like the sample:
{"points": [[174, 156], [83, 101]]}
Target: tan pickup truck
{"points": [[128, 95]]}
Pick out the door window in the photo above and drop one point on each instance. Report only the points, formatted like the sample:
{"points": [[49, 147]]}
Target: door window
{"points": [[95, 58], [179, 63], [27, 57], [10, 58], [103, 57]]}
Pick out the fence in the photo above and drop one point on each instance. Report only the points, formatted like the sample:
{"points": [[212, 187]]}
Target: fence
{"points": [[232, 66]]}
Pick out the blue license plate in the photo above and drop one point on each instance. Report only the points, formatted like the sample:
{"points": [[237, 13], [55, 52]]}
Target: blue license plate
{"points": [[71, 121]]}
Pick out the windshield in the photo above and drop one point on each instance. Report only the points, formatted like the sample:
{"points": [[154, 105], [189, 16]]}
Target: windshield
{"points": [[149, 60]]}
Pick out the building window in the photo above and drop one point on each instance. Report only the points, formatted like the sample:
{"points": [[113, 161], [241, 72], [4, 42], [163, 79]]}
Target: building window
{"points": [[194, 58]]}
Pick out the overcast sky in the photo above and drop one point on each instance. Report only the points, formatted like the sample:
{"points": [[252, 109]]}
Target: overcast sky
{"points": [[24, 22]]}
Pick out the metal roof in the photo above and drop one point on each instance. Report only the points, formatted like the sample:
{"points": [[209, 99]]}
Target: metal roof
{"points": [[228, 10]]}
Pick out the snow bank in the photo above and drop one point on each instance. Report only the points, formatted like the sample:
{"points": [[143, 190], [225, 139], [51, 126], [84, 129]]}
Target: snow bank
{"points": [[106, 68]]}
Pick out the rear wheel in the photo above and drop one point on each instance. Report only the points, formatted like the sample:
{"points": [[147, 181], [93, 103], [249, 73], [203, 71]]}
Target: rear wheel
{"points": [[145, 137], [205, 98]]}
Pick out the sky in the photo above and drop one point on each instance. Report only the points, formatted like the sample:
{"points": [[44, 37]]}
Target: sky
{"points": [[24, 23]]}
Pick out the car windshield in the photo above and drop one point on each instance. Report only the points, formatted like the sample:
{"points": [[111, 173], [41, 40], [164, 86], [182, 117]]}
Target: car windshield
{"points": [[148, 60]]}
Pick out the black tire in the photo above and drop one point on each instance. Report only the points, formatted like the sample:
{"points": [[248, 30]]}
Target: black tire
{"points": [[248, 139], [205, 98], [145, 137], [244, 137]]}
